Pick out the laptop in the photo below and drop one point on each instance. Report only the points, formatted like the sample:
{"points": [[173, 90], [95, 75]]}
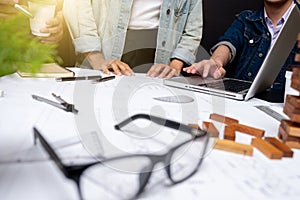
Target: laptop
{"points": [[244, 90]]}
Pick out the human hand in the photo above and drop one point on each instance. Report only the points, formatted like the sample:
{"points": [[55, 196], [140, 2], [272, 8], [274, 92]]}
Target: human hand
{"points": [[162, 71], [117, 66], [98, 62], [6, 8], [55, 28], [205, 68]]}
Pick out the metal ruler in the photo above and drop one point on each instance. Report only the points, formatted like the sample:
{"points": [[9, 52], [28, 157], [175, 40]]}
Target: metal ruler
{"points": [[271, 112]]}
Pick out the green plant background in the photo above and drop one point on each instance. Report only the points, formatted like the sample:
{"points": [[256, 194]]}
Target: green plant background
{"points": [[19, 50]]}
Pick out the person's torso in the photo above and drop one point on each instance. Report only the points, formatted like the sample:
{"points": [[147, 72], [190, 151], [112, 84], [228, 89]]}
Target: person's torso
{"points": [[254, 46], [112, 30]]}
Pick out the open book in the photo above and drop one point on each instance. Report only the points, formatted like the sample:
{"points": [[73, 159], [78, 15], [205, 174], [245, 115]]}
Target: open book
{"points": [[49, 70]]}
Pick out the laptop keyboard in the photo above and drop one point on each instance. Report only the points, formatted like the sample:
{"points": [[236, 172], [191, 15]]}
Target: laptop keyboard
{"points": [[228, 85]]}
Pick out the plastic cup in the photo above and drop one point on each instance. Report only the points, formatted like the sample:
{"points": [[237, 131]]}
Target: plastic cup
{"points": [[42, 11]]}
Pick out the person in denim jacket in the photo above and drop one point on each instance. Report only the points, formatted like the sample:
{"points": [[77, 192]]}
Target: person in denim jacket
{"points": [[99, 30], [246, 42]]}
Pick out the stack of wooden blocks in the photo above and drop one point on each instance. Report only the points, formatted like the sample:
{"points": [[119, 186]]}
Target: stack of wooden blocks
{"points": [[269, 146], [289, 130]]}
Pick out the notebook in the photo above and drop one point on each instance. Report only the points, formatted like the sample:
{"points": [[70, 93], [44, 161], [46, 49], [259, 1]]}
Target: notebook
{"points": [[244, 90], [49, 70]]}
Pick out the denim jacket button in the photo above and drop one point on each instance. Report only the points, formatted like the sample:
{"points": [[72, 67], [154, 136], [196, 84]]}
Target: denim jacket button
{"points": [[163, 43], [168, 11], [249, 74], [260, 55], [251, 41]]}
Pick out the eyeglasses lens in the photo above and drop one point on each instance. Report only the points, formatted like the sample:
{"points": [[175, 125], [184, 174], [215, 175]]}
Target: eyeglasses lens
{"points": [[116, 179]]}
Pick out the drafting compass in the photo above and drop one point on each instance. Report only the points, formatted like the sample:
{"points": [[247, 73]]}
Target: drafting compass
{"points": [[62, 103]]}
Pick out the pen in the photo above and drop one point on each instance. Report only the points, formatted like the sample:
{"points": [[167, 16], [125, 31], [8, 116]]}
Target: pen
{"points": [[104, 79], [23, 10], [78, 78]]}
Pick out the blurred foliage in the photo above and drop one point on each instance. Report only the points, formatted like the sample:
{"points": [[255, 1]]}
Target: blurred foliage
{"points": [[19, 50]]}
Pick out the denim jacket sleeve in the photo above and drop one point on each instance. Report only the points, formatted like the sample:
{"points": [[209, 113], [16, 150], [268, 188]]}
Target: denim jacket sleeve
{"points": [[82, 25], [232, 38], [192, 34]]}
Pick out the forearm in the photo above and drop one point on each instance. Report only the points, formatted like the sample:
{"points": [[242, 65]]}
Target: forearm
{"points": [[95, 59], [177, 64], [221, 56]]}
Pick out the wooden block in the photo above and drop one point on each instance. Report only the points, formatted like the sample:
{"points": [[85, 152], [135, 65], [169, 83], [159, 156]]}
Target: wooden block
{"points": [[294, 114], [293, 100], [291, 128], [234, 147], [295, 85], [297, 57], [223, 119], [249, 130], [266, 148], [293, 144], [195, 126], [293, 108], [229, 133], [295, 78], [286, 150], [284, 136], [295, 69], [211, 129]]}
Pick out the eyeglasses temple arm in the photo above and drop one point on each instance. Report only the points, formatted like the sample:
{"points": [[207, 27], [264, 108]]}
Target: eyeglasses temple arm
{"points": [[49, 150], [163, 122]]}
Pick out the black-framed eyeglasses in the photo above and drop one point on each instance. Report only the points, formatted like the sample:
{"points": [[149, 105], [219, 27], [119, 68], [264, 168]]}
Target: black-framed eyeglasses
{"points": [[125, 177]]}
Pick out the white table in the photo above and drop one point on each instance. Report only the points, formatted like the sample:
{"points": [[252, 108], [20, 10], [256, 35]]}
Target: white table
{"points": [[27, 173]]}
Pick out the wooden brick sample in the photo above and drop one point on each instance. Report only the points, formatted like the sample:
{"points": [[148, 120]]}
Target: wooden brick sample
{"points": [[295, 69], [194, 126], [292, 105], [210, 128], [229, 133], [293, 144], [296, 73], [289, 110], [293, 100], [231, 146], [295, 84], [291, 128], [249, 130], [295, 77], [266, 148], [223, 119], [284, 136], [286, 150]]}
